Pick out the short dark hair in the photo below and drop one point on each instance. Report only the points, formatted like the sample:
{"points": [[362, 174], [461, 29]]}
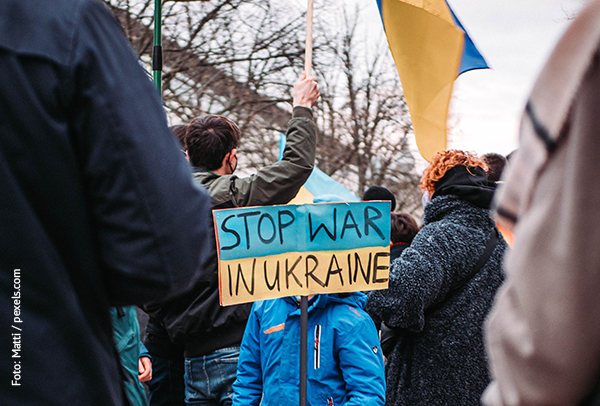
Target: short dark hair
{"points": [[495, 163], [179, 131], [209, 138], [404, 228]]}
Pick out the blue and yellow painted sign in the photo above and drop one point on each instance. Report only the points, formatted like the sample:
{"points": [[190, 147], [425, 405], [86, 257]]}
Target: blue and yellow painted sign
{"points": [[277, 251]]}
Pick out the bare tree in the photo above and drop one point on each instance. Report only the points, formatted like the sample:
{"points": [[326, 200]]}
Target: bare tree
{"points": [[229, 57], [364, 116], [239, 58]]}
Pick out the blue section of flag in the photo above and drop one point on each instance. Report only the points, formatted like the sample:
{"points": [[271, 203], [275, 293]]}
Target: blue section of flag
{"points": [[380, 15], [471, 57], [320, 183]]}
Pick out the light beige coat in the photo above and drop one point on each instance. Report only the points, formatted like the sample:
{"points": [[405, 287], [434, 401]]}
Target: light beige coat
{"points": [[543, 334]]}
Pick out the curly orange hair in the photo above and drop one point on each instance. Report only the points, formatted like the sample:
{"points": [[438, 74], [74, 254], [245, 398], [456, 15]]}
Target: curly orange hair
{"points": [[445, 160]]}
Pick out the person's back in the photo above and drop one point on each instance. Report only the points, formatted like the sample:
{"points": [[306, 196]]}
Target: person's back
{"points": [[210, 333], [345, 364], [88, 179], [441, 288]]}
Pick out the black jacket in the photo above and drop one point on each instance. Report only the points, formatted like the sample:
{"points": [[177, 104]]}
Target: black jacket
{"points": [[197, 320], [440, 358], [97, 207]]}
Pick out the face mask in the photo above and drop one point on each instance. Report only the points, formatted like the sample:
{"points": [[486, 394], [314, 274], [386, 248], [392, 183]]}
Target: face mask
{"points": [[425, 199]]}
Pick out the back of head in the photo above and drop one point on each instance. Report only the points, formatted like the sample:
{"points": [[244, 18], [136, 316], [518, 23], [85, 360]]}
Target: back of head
{"points": [[495, 163], [208, 139], [404, 228], [460, 174], [444, 161], [180, 131], [380, 193]]}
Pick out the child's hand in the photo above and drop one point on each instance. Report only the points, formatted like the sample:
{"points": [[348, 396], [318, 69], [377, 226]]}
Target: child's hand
{"points": [[145, 368]]}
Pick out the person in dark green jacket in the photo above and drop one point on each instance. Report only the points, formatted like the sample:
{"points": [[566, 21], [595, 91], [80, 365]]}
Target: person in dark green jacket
{"points": [[136, 363], [212, 334]]}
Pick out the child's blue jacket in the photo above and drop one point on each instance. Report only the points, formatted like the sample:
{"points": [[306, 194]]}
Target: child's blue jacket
{"points": [[345, 364]]}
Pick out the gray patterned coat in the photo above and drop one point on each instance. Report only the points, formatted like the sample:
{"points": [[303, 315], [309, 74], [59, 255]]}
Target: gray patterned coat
{"points": [[440, 358]]}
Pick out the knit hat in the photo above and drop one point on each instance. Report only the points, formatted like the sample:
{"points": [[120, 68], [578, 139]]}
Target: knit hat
{"points": [[380, 193]]}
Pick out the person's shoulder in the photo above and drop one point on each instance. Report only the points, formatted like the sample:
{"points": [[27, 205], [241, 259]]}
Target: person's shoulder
{"points": [[25, 26], [347, 310]]}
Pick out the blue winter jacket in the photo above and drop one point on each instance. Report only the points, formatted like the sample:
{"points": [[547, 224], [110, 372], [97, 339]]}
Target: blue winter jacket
{"points": [[345, 365]]}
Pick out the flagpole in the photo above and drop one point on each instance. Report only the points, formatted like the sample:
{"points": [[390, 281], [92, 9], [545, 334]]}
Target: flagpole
{"points": [[157, 49], [309, 42]]}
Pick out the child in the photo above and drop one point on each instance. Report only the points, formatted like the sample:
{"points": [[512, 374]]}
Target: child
{"points": [[345, 365]]}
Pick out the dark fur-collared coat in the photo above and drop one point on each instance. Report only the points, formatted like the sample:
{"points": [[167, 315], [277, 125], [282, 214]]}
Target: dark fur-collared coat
{"points": [[440, 357]]}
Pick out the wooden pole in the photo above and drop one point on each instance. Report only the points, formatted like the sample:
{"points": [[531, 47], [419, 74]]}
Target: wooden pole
{"points": [[304, 299], [309, 42]]}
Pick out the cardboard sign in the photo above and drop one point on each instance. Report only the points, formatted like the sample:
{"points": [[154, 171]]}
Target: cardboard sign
{"points": [[277, 251]]}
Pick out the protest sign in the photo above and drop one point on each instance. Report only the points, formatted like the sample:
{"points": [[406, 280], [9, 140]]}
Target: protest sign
{"points": [[277, 251]]}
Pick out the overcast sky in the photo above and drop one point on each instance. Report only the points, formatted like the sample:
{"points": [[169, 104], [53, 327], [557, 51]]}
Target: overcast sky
{"points": [[515, 37]]}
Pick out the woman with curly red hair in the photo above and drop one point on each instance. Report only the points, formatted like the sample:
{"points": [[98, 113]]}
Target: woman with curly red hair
{"points": [[441, 289]]}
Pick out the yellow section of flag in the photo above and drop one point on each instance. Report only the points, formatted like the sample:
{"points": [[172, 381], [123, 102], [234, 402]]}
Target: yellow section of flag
{"points": [[427, 48]]}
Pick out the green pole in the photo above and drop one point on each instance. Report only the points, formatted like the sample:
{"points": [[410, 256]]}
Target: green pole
{"points": [[157, 49]]}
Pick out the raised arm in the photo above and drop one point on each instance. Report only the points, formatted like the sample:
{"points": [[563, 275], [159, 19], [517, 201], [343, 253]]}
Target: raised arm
{"points": [[280, 182]]}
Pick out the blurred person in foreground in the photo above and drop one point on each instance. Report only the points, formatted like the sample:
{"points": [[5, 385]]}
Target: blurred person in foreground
{"points": [[211, 334], [543, 334], [97, 205], [441, 288]]}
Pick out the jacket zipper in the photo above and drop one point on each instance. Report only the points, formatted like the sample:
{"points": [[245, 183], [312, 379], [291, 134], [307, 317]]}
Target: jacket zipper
{"points": [[317, 346], [330, 402]]}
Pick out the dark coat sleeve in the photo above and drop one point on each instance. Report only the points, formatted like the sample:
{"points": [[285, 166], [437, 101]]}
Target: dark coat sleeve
{"points": [[150, 221]]}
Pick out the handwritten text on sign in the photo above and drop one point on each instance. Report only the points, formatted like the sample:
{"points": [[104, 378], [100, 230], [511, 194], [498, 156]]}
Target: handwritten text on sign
{"points": [[276, 251]]}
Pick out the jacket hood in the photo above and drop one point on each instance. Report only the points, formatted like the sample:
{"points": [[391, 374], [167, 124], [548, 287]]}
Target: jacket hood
{"points": [[355, 299], [469, 184]]}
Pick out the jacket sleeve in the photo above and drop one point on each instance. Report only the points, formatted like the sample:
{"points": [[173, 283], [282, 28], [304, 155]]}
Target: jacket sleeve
{"points": [[280, 182], [248, 386], [144, 351], [361, 363], [149, 219], [423, 275]]}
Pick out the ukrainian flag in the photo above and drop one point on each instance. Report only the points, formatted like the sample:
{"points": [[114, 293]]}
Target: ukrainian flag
{"points": [[318, 184], [430, 48]]}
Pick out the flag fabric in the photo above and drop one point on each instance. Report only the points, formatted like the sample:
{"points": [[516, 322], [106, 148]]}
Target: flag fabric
{"points": [[430, 48], [318, 184]]}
